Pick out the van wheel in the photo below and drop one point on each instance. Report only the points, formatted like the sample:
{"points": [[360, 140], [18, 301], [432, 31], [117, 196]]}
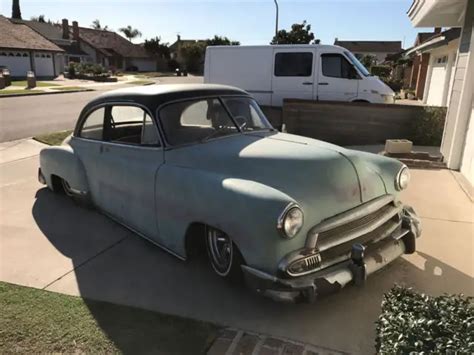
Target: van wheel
{"points": [[224, 256]]}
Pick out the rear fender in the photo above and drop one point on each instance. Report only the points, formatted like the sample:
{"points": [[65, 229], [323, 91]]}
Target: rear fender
{"points": [[61, 161]]}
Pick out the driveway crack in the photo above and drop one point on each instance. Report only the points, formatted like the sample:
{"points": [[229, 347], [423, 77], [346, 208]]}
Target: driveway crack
{"points": [[86, 261]]}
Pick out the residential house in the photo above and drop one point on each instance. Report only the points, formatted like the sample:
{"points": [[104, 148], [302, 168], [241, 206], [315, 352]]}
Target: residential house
{"points": [[23, 49], [440, 50], [419, 63], [112, 50], [457, 145], [378, 49], [60, 35], [176, 49]]}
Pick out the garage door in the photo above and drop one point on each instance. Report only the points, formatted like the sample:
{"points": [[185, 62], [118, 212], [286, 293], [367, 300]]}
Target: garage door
{"points": [[17, 62], [44, 64], [438, 77]]}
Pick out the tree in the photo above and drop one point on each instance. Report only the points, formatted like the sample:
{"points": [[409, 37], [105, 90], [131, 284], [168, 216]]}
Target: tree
{"points": [[368, 61], [97, 26], [221, 41], [193, 54], [16, 13], [300, 33], [156, 48], [130, 32], [39, 18]]}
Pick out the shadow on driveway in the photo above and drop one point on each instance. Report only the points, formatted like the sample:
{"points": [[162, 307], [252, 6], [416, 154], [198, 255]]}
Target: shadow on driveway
{"points": [[113, 264]]}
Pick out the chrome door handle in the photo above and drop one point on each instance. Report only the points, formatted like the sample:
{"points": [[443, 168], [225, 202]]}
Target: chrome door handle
{"points": [[323, 84], [307, 83]]}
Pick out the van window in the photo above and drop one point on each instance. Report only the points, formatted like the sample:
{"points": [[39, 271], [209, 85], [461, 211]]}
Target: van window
{"points": [[335, 66], [293, 64]]}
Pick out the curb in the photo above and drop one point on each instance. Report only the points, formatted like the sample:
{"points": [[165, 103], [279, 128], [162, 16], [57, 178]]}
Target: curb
{"points": [[47, 93]]}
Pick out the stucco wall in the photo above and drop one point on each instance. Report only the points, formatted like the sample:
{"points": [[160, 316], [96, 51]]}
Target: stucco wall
{"points": [[467, 165]]}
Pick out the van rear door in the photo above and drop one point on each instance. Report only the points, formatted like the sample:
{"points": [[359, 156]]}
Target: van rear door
{"points": [[337, 78], [293, 74]]}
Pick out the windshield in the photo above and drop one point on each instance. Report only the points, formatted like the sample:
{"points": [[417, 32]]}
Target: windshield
{"points": [[196, 121], [357, 64]]}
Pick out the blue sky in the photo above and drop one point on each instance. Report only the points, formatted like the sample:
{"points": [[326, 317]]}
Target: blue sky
{"points": [[250, 22]]}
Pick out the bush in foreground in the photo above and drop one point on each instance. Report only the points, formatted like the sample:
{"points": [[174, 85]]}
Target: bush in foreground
{"points": [[413, 322]]}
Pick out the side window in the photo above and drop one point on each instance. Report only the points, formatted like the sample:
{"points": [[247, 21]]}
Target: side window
{"points": [[293, 64], [336, 66], [93, 127], [131, 125]]}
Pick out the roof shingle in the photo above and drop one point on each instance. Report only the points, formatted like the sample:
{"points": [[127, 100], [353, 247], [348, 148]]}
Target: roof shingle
{"points": [[19, 36]]}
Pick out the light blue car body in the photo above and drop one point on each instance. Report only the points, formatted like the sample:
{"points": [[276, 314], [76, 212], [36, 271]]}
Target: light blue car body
{"points": [[239, 184]]}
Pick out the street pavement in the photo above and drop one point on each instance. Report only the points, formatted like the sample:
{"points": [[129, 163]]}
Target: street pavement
{"points": [[27, 116], [48, 242]]}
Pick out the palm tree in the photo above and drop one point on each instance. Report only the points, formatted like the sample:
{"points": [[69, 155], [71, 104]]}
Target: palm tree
{"points": [[16, 13], [97, 26], [130, 32]]}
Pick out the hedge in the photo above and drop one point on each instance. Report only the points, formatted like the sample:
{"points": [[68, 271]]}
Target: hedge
{"points": [[427, 128], [413, 322], [382, 71]]}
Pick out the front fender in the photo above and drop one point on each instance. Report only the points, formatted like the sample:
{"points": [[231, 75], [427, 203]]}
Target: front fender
{"points": [[63, 162], [244, 209]]}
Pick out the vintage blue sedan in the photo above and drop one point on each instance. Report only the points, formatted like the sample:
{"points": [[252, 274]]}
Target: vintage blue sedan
{"points": [[199, 165]]}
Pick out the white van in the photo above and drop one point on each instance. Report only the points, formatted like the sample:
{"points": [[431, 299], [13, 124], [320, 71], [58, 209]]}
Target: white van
{"points": [[312, 72]]}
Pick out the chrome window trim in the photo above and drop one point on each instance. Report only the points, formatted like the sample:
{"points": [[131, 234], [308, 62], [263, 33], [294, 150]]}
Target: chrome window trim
{"points": [[130, 145], [83, 118]]}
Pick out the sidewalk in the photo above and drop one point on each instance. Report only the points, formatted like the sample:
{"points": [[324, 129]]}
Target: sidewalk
{"points": [[48, 242]]}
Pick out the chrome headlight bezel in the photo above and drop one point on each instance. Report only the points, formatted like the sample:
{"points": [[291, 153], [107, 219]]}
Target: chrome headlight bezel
{"points": [[402, 179], [282, 219]]}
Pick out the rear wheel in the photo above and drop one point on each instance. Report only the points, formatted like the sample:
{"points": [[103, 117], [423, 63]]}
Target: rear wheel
{"points": [[224, 255]]}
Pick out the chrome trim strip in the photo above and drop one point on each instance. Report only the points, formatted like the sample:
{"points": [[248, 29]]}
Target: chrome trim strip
{"points": [[260, 91]]}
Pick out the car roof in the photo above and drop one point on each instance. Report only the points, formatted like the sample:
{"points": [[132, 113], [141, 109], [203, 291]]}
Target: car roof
{"points": [[152, 96]]}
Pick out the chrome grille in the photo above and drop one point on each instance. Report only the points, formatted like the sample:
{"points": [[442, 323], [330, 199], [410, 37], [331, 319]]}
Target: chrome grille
{"points": [[355, 225]]}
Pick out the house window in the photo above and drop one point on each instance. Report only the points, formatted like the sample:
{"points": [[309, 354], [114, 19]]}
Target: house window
{"points": [[442, 60], [335, 66], [293, 64]]}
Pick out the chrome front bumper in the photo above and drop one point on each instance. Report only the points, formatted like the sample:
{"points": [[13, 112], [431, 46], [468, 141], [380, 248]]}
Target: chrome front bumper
{"points": [[363, 262]]}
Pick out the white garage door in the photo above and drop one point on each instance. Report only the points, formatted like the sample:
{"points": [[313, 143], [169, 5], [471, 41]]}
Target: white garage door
{"points": [[438, 77], [44, 64], [17, 62], [144, 64]]}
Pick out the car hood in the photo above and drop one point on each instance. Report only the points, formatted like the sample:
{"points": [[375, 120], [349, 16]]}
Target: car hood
{"points": [[317, 175]]}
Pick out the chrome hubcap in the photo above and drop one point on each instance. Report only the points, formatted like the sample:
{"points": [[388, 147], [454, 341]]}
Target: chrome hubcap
{"points": [[219, 247]]}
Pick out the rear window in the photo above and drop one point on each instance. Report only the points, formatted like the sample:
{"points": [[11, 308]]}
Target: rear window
{"points": [[294, 64]]}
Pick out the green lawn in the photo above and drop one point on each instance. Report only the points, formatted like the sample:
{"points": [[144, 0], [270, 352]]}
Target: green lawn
{"points": [[20, 91], [37, 321], [55, 138], [24, 83], [140, 82], [70, 88]]}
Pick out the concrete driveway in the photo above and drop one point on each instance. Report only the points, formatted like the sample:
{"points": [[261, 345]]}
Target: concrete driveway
{"points": [[48, 242]]}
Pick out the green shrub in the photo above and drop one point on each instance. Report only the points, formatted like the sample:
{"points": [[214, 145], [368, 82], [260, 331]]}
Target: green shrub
{"points": [[427, 128], [413, 322], [382, 71]]}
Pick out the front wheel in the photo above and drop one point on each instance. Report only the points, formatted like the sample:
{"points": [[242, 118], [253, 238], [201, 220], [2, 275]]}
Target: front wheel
{"points": [[224, 255]]}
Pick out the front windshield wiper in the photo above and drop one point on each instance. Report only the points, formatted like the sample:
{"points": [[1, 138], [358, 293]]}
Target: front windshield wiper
{"points": [[214, 134]]}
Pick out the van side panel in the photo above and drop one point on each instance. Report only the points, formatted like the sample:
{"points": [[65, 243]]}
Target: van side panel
{"points": [[246, 68]]}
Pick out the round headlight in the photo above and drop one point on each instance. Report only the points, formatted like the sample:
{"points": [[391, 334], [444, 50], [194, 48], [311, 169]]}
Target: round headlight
{"points": [[291, 221], [403, 178]]}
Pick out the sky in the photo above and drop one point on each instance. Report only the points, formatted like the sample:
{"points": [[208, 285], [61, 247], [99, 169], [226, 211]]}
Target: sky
{"points": [[250, 22]]}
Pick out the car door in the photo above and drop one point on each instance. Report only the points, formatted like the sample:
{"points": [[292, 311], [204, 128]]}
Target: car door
{"points": [[337, 78], [122, 166], [292, 74]]}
